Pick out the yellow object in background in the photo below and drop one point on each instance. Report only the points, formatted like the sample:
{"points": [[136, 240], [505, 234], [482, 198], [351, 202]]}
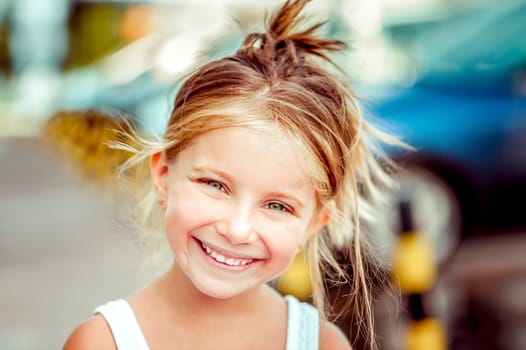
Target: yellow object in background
{"points": [[83, 139], [414, 270], [413, 263], [296, 279], [426, 334]]}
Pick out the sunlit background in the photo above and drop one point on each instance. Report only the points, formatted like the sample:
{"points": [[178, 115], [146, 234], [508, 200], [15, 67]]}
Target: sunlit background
{"points": [[448, 76]]}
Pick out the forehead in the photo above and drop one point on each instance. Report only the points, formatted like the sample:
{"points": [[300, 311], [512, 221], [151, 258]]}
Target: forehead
{"points": [[268, 142], [265, 153]]}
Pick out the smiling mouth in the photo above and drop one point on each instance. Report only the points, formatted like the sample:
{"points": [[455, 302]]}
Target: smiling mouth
{"points": [[222, 259]]}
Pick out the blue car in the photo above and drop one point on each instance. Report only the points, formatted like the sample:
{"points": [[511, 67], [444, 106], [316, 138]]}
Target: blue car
{"points": [[466, 118]]}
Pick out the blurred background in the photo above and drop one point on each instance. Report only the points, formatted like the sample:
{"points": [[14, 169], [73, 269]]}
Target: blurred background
{"points": [[448, 76]]}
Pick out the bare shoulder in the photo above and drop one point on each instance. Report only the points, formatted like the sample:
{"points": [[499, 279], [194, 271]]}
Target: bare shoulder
{"points": [[331, 337], [92, 334]]}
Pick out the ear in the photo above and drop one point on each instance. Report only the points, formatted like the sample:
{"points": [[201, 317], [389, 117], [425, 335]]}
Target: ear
{"points": [[159, 173], [322, 218]]}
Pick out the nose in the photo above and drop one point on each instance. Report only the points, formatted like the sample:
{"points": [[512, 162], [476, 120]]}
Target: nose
{"points": [[237, 225]]}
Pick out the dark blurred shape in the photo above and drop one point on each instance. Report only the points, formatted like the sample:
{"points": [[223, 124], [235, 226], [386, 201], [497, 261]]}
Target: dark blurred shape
{"points": [[5, 57], [406, 218], [416, 307]]}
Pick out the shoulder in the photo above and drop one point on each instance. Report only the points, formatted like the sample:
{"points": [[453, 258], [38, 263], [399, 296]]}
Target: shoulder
{"points": [[331, 337], [92, 334]]}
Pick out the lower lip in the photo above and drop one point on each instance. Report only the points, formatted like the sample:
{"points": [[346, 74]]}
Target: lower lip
{"points": [[217, 264]]}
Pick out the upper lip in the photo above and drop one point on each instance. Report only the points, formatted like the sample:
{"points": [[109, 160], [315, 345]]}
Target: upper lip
{"points": [[230, 254]]}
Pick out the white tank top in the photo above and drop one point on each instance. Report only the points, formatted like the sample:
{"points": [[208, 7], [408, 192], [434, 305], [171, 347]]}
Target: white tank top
{"points": [[303, 325]]}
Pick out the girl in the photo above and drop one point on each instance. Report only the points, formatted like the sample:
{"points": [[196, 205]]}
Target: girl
{"points": [[265, 155]]}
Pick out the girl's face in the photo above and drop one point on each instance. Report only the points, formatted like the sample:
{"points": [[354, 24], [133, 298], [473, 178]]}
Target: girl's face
{"points": [[238, 206]]}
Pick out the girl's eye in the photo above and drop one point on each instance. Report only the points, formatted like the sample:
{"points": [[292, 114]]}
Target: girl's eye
{"points": [[277, 206], [214, 184]]}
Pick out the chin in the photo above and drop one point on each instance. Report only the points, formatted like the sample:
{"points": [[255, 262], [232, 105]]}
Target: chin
{"points": [[221, 292]]}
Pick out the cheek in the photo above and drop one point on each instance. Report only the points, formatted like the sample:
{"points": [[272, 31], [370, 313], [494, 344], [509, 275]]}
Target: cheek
{"points": [[187, 210], [283, 240]]}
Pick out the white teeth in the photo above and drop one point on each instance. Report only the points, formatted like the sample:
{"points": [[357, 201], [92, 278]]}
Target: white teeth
{"points": [[223, 259], [232, 262]]}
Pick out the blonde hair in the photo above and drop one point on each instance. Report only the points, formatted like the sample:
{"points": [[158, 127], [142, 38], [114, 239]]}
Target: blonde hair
{"points": [[281, 76]]}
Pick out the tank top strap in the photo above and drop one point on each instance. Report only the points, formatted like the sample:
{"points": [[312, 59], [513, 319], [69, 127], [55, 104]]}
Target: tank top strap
{"points": [[124, 327], [303, 325]]}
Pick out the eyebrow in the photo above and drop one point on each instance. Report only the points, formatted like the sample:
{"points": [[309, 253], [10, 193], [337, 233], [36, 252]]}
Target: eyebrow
{"points": [[296, 201], [203, 169]]}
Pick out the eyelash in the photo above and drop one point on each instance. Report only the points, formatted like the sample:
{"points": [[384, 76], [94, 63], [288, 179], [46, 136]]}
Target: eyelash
{"points": [[282, 207], [214, 184]]}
